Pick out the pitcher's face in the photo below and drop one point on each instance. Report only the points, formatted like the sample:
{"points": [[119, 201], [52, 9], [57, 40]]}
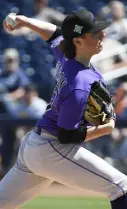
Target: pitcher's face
{"points": [[91, 42]]}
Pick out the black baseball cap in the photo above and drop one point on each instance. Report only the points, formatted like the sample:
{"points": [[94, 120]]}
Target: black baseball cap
{"points": [[80, 22]]}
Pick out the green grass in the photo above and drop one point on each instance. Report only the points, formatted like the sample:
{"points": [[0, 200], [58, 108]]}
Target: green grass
{"points": [[68, 203]]}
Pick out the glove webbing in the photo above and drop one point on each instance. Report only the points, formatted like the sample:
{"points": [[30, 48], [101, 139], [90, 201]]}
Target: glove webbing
{"points": [[101, 91]]}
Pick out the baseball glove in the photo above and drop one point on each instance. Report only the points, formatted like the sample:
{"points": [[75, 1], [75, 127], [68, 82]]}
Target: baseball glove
{"points": [[99, 107]]}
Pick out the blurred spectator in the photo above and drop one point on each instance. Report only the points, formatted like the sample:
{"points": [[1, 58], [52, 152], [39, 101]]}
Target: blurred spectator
{"points": [[113, 55], [12, 78], [42, 12], [12, 83], [30, 103], [37, 48], [22, 109], [121, 98], [118, 28], [106, 61], [123, 147], [104, 13], [118, 148], [100, 146], [116, 143], [112, 148]]}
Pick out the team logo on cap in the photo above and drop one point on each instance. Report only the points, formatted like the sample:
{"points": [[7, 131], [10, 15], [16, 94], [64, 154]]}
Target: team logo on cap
{"points": [[78, 29]]}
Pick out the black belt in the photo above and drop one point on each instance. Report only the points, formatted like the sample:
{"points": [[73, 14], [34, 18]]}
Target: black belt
{"points": [[40, 131], [37, 130]]}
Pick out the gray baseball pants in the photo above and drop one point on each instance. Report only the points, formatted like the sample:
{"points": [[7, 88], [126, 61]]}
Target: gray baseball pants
{"points": [[42, 160]]}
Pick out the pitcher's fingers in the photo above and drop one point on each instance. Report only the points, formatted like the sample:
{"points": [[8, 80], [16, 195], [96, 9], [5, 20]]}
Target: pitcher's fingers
{"points": [[7, 27]]}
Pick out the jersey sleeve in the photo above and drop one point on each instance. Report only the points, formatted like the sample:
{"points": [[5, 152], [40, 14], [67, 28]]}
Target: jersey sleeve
{"points": [[54, 42], [56, 34], [72, 110]]}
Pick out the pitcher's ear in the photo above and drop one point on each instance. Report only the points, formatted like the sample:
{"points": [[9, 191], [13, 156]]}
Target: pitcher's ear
{"points": [[76, 41]]}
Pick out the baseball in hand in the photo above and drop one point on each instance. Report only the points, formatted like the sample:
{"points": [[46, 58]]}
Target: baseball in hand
{"points": [[11, 19]]}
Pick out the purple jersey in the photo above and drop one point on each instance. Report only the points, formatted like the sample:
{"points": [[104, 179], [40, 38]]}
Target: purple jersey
{"points": [[73, 82]]}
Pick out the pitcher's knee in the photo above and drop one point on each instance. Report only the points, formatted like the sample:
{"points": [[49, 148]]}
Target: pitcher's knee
{"points": [[119, 188]]}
